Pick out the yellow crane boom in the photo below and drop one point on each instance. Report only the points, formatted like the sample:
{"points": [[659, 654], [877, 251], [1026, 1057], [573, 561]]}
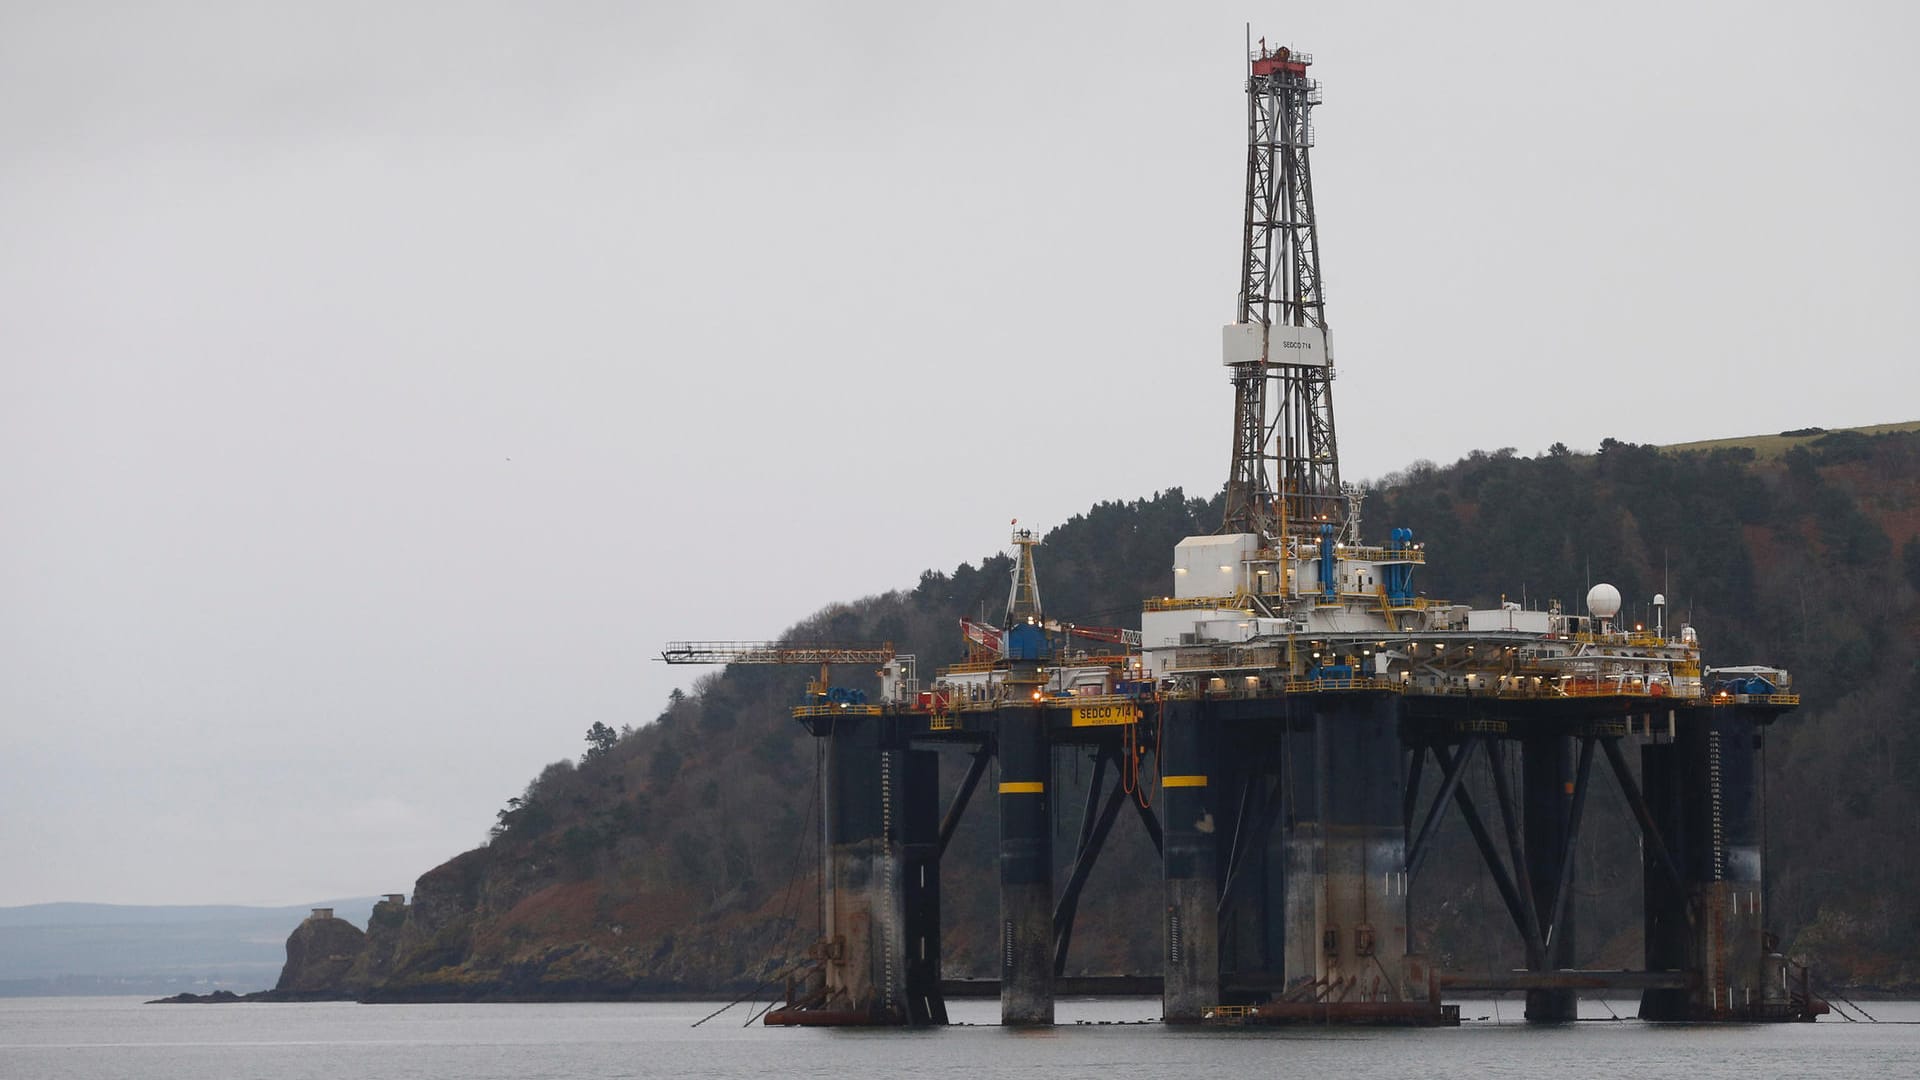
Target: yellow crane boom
{"points": [[826, 654], [773, 652]]}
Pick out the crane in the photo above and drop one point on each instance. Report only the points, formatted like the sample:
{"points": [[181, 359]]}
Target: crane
{"points": [[990, 640], [896, 671], [986, 642]]}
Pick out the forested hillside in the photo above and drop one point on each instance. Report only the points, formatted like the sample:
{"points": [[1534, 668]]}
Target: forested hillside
{"points": [[678, 855]]}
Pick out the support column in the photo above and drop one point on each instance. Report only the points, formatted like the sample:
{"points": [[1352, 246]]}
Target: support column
{"points": [[864, 919], [1704, 790], [1546, 766], [1026, 869], [1192, 938], [1668, 939], [920, 886], [1739, 922], [1363, 933], [1303, 876], [1250, 855]]}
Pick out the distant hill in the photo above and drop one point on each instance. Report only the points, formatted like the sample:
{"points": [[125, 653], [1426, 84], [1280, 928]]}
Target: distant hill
{"points": [[75, 948]]}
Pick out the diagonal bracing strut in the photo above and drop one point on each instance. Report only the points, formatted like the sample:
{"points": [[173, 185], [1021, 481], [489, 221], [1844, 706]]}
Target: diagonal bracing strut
{"points": [[1093, 836], [1453, 770], [981, 759], [1488, 854], [1648, 829]]}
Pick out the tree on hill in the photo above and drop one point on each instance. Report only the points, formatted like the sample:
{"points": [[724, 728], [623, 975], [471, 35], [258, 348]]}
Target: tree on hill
{"points": [[600, 739]]}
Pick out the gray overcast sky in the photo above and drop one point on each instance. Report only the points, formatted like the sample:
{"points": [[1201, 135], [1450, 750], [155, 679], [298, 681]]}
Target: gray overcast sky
{"points": [[381, 384]]}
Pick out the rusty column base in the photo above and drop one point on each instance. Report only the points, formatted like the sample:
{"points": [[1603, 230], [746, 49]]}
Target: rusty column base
{"points": [[1677, 1008], [795, 1017]]}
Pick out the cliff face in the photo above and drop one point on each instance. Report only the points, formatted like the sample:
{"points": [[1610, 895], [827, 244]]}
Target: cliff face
{"points": [[320, 953], [329, 958], [579, 940], [385, 926], [680, 859]]}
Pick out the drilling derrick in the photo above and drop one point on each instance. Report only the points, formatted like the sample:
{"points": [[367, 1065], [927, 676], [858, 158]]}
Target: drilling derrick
{"points": [[1277, 345]]}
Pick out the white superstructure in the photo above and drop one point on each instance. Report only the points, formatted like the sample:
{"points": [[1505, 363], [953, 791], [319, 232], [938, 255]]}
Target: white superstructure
{"points": [[1316, 611]]}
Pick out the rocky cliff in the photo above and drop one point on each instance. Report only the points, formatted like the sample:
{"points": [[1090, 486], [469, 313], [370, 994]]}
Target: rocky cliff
{"points": [[321, 952]]}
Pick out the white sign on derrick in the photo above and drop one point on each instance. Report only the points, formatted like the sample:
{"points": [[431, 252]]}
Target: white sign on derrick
{"points": [[1297, 346]]}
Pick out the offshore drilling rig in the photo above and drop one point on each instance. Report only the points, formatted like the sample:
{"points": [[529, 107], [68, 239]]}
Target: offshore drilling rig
{"points": [[1282, 706]]}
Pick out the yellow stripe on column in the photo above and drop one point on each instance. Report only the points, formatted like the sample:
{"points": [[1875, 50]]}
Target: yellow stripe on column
{"points": [[1022, 787], [1183, 781]]}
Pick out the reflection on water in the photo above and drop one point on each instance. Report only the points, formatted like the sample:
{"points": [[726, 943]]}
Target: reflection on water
{"points": [[115, 1038]]}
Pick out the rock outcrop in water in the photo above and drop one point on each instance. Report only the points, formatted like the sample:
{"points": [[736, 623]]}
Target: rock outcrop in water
{"points": [[321, 952], [328, 959]]}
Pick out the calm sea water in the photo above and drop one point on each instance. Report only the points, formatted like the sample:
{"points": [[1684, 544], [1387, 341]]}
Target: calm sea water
{"points": [[114, 1038]]}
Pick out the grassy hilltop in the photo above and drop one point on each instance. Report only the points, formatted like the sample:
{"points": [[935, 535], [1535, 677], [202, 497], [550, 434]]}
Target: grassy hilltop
{"points": [[1772, 446]]}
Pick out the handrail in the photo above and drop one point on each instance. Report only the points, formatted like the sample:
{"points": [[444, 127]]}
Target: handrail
{"points": [[1362, 553], [1293, 685], [1232, 603], [1189, 603], [1361, 682], [1549, 690], [1721, 697], [1629, 638], [1091, 700], [801, 712]]}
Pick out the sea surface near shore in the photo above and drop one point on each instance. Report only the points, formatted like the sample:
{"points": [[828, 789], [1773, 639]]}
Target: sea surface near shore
{"points": [[123, 1039]]}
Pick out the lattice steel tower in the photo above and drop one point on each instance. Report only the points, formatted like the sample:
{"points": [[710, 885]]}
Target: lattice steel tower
{"points": [[1277, 348]]}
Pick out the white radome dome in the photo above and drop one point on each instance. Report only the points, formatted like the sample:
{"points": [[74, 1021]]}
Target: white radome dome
{"points": [[1603, 601]]}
